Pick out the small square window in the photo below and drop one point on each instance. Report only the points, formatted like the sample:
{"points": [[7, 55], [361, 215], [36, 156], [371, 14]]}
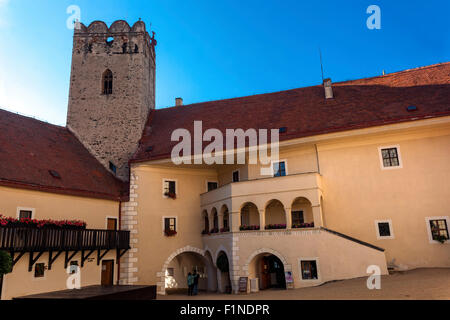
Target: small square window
{"points": [[25, 214], [390, 157], [39, 270], [236, 176], [212, 186], [384, 229], [309, 270], [279, 169], [170, 272], [439, 229], [170, 224], [170, 188]]}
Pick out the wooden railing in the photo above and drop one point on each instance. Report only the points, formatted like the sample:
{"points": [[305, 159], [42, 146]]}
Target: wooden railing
{"points": [[22, 239]]}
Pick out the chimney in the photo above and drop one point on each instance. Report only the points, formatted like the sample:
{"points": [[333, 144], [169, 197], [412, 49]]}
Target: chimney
{"points": [[178, 102], [328, 89]]}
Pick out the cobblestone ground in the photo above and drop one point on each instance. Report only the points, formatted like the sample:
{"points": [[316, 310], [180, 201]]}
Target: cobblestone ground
{"points": [[433, 283]]}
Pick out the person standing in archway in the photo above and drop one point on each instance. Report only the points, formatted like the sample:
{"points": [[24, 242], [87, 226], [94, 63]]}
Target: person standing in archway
{"points": [[190, 283], [196, 276]]}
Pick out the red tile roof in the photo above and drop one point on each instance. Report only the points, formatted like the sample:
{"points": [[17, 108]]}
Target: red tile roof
{"points": [[305, 112], [30, 149]]}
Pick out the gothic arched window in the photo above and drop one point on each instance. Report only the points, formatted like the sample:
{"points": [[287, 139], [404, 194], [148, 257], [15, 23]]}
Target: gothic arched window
{"points": [[107, 82]]}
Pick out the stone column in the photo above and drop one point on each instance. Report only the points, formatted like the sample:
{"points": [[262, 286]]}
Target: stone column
{"points": [[220, 217], [211, 220], [317, 214], [288, 218], [262, 219], [235, 222]]}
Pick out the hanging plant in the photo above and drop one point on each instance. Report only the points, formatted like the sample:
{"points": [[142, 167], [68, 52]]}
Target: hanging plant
{"points": [[5, 263]]}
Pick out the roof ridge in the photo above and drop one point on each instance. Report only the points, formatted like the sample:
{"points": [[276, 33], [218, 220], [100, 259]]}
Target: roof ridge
{"points": [[16, 113], [312, 86], [397, 72]]}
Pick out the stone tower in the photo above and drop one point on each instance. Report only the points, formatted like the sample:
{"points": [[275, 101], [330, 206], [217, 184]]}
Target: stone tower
{"points": [[112, 89]]}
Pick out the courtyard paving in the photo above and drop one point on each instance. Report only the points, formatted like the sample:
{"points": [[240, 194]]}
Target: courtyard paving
{"points": [[420, 284]]}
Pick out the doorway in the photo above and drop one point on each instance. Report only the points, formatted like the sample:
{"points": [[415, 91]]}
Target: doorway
{"points": [[107, 273], [271, 272]]}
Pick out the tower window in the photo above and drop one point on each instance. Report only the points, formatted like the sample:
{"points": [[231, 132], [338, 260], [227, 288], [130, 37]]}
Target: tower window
{"points": [[107, 82], [112, 167]]}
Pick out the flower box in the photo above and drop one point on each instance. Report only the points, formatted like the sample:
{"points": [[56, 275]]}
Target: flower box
{"points": [[171, 195], [214, 230], [252, 227], [275, 226], [227, 229], [205, 232], [170, 233], [303, 225], [42, 224]]}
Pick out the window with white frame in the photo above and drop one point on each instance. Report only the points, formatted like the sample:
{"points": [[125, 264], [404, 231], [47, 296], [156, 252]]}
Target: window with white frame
{"points": [[384, 229], [170, 189], [438, 229], [25, 213], [170, 224], [390, 157], [309, 270], [279, 168]]}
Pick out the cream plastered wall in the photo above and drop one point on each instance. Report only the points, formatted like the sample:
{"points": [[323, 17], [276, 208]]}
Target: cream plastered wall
{"points": [[225, 173], [357, 192], [153, 251], [21, 282], [58, 207], [54, 206], [337, 257]]}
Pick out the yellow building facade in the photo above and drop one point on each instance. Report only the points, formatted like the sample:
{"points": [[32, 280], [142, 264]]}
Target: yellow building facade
{"points": [[361, 183]]}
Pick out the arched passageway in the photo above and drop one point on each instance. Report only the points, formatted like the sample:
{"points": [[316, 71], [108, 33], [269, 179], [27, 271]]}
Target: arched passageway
{"points": [[275, 215], [301, 213], [178, 268], [269, 270], [223, 273], [249, 215]]}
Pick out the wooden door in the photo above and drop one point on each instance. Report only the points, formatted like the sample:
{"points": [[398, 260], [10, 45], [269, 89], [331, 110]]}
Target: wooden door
{"points": [[107, 272], [265, 275], [112, 224]]}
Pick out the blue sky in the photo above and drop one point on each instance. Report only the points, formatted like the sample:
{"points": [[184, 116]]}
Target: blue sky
{"points": [[210, 50]]}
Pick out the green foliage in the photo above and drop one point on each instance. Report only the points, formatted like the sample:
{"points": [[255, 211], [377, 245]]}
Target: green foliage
{"points": [[5, 263], [222, 263]]}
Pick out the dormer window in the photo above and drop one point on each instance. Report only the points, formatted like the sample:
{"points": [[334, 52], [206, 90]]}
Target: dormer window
{"points": [[107, 82]]}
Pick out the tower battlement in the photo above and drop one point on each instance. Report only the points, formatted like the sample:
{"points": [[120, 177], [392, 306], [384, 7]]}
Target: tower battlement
{"points": [[112, 89]]}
